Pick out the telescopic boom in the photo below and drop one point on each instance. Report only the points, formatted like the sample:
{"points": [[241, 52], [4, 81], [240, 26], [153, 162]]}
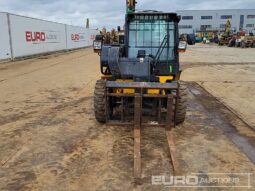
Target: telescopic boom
{"points": [[131, 6]]}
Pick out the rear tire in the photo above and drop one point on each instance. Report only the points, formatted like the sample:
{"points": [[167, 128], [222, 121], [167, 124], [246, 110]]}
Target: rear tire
{"points": [[182, 104], [99, 101]]}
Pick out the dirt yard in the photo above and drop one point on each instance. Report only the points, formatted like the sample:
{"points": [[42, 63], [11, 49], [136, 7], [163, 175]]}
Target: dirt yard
{"points": [[49, 139], [228, 74]]}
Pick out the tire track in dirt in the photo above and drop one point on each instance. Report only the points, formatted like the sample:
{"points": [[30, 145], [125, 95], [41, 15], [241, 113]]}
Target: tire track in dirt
{"points": [[44, 68], [219, 111], [16, 117]]}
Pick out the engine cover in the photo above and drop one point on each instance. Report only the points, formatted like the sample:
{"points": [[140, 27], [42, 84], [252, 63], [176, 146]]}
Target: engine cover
{"points": [[137, 68]]}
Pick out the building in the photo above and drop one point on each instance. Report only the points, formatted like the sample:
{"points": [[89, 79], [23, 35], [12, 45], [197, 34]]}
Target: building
{"points": [[215, 20]]}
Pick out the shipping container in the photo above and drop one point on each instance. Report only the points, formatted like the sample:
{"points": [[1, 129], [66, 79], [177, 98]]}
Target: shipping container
{"points": [[34, 36], [22, 36], [77, 37], [92, 35], [5, 48]]}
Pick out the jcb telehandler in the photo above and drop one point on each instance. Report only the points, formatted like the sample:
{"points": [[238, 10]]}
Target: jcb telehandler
{"points": [[140, 79]]}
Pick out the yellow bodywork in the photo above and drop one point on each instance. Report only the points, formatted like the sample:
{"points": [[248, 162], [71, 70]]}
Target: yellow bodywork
{"points": [[162, 79], [125, 91]]}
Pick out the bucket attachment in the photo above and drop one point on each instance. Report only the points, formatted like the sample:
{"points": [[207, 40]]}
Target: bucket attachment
{"points": [[143, 104]]}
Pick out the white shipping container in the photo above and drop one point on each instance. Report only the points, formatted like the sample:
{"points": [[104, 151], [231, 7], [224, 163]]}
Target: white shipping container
{"points": [[77, 37], [92, 36], [33, 36], [5, 48]]}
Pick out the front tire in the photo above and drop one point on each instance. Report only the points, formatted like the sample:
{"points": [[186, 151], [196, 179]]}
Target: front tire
{"points": [[182, 104], [99, 101]]}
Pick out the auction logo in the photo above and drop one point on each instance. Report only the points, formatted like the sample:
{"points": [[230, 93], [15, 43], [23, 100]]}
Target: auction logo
{"points": [[92, 37], [75, 37], [35, 36], [78, 37], [205, 180], [42, 37]]}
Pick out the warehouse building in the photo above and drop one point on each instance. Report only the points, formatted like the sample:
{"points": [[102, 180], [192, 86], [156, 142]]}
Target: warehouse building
{"points": [[215, 20]]}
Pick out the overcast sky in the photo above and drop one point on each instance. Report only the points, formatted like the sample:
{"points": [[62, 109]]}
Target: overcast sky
{"points": [[105, 12]]}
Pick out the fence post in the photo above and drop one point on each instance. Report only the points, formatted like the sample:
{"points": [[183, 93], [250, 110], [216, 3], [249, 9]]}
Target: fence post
{"points": [[66, 37], [10, 35]]}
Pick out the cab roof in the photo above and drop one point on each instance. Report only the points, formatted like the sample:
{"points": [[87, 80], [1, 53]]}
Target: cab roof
{"points": [[154, 15]]}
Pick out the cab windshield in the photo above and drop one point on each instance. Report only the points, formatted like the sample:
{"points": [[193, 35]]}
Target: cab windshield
{"points": [[149, 35]]}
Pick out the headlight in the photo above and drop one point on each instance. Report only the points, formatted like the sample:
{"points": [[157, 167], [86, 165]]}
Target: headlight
{"points": [[97, 45]]}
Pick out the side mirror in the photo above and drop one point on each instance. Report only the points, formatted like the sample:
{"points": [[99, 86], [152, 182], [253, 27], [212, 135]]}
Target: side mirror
{"points": [[182, 46]]}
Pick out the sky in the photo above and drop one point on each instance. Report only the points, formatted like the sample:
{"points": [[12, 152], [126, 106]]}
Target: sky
{"points": [[105, 12]]}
